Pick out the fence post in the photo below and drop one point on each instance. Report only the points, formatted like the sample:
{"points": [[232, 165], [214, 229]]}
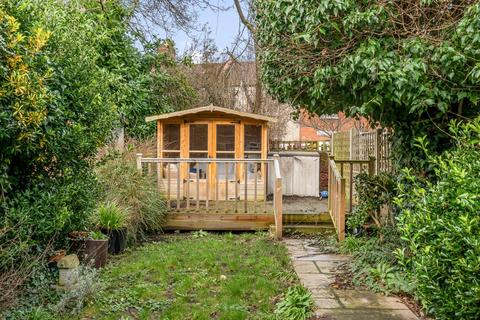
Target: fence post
{"points": [[351, 144], [378, 148], [371, 166], [139, 161]]}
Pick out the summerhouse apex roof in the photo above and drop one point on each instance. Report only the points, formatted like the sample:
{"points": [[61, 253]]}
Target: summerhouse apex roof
{"points": [[210, 108]]}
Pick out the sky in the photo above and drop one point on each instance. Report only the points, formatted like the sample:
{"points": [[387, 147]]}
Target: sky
{"points": [[224, 26]]}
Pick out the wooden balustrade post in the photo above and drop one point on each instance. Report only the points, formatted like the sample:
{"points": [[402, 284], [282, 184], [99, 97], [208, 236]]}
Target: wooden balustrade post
{"points": [[138, 157], [330, 181], [278, 198], [341, 211]]}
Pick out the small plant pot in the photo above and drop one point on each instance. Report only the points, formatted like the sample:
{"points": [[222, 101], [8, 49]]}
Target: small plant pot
{"points": [[96, 252], [117, 240], [121, 243]]}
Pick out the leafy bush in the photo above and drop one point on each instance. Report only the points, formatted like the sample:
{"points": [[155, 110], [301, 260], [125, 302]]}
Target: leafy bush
{"points": [[110, 217], [135, 193], [296, 305], [440, 225], [374, 263], [375, 195]]}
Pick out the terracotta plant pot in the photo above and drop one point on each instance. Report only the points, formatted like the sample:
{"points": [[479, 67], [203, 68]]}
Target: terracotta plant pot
{"points": [[57, 255], [96, 252]]}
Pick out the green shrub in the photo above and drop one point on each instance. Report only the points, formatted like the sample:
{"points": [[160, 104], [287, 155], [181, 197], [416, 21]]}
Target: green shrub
{"points": [[135, 193], [375, 195], [110, 217], [296, 305], [440, 224]]}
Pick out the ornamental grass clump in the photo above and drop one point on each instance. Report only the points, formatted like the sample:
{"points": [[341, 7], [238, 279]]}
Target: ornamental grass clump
{"points": [[110, 216], [134, 193], [440, 224]]}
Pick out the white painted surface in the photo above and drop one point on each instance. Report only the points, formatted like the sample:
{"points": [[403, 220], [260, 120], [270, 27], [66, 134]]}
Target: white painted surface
{"points": [[292, 131], [300, 174]]}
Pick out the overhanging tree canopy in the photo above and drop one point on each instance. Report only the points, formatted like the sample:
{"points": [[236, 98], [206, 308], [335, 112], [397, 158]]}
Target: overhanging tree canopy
{"points": [[411, 65]]}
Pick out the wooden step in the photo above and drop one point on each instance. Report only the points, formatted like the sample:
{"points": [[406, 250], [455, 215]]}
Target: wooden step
{"points": [[310, 229], [306, 218]]}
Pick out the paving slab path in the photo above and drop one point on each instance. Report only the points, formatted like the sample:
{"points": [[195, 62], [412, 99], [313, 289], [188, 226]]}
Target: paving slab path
{"points": [[317, 271]]}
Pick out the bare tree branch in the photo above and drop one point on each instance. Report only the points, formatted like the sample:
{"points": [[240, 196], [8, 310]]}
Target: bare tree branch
{"points": [[243, 18]]}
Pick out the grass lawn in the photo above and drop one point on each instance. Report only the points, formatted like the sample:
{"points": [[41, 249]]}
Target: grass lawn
{"points": [[195, 276]]}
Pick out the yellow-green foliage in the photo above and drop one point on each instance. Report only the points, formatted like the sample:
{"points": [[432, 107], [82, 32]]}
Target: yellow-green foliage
{"points": [[23, 84]]}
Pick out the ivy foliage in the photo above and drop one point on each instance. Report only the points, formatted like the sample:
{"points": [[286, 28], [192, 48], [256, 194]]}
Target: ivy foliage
{"points": [[411, 66], [440, 225]]}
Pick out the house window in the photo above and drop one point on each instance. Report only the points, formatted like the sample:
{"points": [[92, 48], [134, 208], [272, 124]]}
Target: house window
{"points": [[199, 137], [225, 138], [329, 116], [324, 133]]}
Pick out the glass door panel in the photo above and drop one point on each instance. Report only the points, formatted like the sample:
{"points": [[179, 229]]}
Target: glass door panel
{"points": [[198, 148], [225, 149]]}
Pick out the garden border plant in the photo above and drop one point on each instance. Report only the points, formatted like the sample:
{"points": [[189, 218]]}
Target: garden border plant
{"points": [[112, 221], [440, 226]]}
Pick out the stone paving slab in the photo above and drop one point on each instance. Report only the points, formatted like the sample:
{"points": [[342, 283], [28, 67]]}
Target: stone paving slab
{"points": [[323, 257], [317, 271], [362, 314], [305, 267], [317, 280], [352, 299]]}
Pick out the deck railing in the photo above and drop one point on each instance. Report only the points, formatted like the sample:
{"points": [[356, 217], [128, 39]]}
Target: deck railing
{"points": [[297, 145], [210, 185], [341, 189]]}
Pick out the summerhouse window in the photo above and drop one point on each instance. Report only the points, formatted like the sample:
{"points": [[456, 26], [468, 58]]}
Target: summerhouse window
{"points": [[171, 140], [253, 145], [198, 147], [225, 148]]}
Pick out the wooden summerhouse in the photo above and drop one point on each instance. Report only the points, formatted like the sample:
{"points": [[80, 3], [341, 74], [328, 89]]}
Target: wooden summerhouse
{"points": [[213, 161]]}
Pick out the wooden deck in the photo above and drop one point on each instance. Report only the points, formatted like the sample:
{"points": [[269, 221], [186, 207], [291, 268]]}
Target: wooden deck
{"points": [[218, 202], [216, 221], [228, 216]]}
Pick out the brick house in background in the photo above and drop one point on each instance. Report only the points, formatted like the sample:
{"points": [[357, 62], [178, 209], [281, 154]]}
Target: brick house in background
{"points": [[321, 128]]}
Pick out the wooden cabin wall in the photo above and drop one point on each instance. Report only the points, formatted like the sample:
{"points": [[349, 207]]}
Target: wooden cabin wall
{"points": [[212, 144]]}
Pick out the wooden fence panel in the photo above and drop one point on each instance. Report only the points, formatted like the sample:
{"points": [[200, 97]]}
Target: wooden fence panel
{"points": [[356, 145]]}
